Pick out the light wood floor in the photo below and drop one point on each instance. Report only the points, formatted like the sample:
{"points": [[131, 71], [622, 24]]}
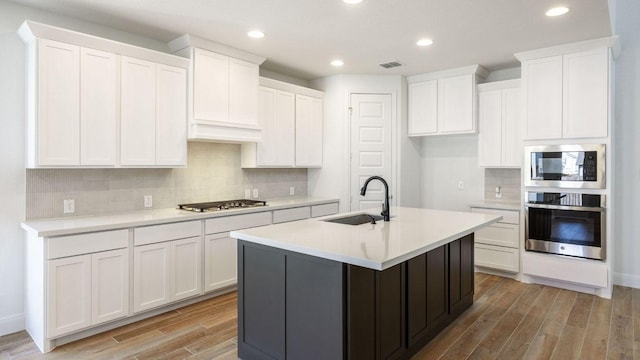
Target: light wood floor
{"points": [[509, 320]]}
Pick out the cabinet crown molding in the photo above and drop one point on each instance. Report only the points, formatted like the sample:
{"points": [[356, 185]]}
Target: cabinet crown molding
{"points": [[189, 40], [284, 86], [465, 70], [503, 84], [29, 31], [612, 42]]}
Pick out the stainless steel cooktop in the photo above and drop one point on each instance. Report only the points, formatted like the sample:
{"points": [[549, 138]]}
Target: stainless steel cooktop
{"points": [[221, 205]]}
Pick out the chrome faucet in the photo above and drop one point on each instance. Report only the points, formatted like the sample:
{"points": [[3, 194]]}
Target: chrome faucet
{"points": [[385, 206]]}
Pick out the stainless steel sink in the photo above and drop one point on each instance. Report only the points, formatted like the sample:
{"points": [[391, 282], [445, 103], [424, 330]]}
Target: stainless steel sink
{"points": [[357, 219]]}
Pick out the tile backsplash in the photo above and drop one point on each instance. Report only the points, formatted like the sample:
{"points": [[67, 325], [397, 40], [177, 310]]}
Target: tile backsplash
{"points": [[508, 179], [213, 173]]}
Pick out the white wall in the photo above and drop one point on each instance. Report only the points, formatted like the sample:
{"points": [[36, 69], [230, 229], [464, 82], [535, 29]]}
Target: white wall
{"points": [[625, 15]]}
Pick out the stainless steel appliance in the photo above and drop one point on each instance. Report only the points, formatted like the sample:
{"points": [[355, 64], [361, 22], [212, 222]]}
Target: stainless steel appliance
{"points": [[572, 224], [565, 166], [221, 205]]}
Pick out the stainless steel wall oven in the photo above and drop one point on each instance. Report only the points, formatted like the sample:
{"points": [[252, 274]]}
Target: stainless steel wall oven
{"points": [[565, 166], [572, 224]]}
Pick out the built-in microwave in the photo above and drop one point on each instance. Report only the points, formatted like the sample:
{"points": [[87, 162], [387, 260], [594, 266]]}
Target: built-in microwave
{"points": [[565, 166]]}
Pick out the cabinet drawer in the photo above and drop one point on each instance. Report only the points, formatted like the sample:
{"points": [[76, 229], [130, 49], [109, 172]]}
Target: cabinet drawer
{"points": [[299, 213], [499, 234], [497, 257], [237, 222], [508, 216], [324, 209], [158, 233], [64, 246]]}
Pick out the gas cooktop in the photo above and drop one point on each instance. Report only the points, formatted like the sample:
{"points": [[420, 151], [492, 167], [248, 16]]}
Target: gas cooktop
{"points": [[221, 205]]}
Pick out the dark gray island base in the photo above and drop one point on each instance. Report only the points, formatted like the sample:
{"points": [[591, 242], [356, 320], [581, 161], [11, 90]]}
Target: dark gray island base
{"points": [[296, 306]]}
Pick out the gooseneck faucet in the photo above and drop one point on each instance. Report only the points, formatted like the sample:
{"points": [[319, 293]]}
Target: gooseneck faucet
{"points": [[385, 206]]}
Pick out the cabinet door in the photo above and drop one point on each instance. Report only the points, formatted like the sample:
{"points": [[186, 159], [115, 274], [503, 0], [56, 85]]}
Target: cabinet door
{"points": [[512, 146], [210, 86], [186, 270], [220, 261], [423, 108], [308, 131], [171, 116], [455, 104], [58, 123], [277, 118], [109, 285], [137, 112], [586, 94], [490, 128], [243, 92], [461, 274], [98, 108], [542, 97], [69, 295], [151, 264]]}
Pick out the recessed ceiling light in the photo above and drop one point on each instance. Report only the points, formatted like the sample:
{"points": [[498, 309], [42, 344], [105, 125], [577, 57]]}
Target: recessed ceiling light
{"points": [[256, 34], [557, 11], [424, 42], [337, 62], [352, 1]]}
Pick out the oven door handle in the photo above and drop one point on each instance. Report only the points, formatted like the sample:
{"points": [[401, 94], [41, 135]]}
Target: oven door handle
{"points": [[565, 207]]}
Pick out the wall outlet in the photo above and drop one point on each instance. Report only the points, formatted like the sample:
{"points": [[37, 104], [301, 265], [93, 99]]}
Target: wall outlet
{"points": [[498, 191], [255, 193], [292, 191], [460, 185], [69, 206], [148, 201], [247, 193]]}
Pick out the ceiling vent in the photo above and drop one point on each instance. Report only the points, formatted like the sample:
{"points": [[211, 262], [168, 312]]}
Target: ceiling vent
{"points": [[391, 64]]}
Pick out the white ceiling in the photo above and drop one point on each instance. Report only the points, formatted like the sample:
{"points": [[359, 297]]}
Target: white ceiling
{"points": [[303, 36]]}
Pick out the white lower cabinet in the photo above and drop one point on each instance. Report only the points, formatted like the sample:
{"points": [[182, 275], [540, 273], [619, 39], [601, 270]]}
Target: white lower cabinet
{"points": [[109, 285], [221, 265], [497, 246]]}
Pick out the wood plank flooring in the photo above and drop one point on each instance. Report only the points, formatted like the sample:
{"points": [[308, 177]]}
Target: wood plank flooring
{"points": [[508, 320]]}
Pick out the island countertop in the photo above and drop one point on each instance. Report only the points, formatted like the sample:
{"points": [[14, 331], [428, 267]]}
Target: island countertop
{"points": [[410, 232]]}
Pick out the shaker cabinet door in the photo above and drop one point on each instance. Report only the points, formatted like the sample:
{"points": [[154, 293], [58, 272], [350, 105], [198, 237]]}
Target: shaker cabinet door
{"points": [[542, 86], [69, 295], [423, 108], [171, 116]]}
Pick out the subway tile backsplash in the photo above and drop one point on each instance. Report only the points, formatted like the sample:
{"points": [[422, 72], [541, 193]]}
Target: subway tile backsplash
{"points": [[213, 173], [508, 179]]}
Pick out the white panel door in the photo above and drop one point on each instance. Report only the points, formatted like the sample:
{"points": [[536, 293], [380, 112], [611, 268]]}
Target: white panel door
{"points": [[277, 120], [455, 104], [243, 92], [586, 94], [58, 124], [512, 147], [98, 107], [490, 128], [370, 147], [308, 131], [542, 98], [151, 264], [137, 112], [69, 295], [220, 261], [186, 270], [423, 108], [210, 86], [109, 285], [171, 116]]}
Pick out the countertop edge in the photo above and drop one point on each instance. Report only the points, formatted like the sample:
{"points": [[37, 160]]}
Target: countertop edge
{"points": [[498, 205]]}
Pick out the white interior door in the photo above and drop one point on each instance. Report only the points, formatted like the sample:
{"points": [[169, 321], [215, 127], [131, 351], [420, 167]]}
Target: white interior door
{"points": [[370, 147]]}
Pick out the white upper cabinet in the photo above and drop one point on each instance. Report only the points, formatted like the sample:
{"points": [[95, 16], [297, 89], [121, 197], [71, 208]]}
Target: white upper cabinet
{"points": [[210, 86], [243, 93], [291, 120], [443, 103], [565, 90], [90, 104], [500, 137]]}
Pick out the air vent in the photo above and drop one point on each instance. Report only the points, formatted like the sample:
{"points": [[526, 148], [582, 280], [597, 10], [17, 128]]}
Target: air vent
{"points": [[391, 64]]}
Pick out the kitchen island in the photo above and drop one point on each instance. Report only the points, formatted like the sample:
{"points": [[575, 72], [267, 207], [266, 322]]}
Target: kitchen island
{"points": [[316, 289]]}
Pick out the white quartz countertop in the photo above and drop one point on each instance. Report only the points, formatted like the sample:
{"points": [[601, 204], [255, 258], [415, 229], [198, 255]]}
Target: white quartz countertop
{"points": [[82, 224], [410, 232], [496, 204]]}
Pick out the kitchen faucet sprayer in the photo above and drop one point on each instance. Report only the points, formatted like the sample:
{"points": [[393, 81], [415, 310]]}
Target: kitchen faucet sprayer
{"points": [[385, 206]]}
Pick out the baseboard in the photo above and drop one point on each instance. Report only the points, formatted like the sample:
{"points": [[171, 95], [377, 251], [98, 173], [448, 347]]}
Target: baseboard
{"points": [[11, 324], [627, 280]]}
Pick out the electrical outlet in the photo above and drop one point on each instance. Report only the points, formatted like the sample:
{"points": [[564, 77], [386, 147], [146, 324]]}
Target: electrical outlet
{"points": [[69, 206], [498, 191], [148, 201], [292, 191], [255, 193], [460, 185], [247, 193]]}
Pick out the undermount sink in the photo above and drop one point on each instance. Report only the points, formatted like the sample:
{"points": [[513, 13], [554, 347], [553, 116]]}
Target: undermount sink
{"points": [[357, 219]]}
